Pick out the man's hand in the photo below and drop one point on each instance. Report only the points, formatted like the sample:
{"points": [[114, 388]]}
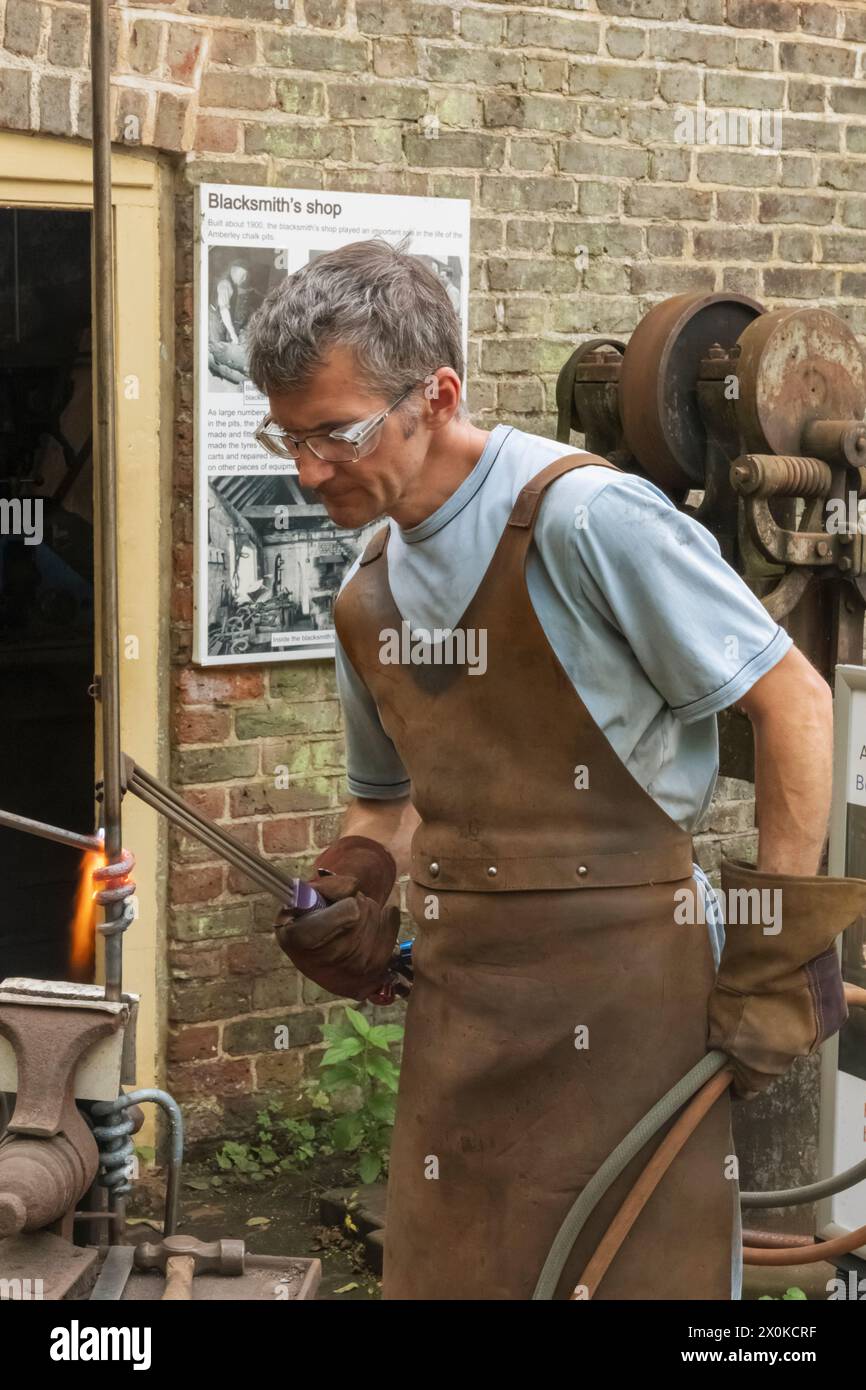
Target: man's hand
{"points": [[791, 711], [345, 947]]}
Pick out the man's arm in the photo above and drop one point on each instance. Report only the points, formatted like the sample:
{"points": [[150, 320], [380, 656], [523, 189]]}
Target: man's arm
{"points": [[791, 711], [391, 822]]}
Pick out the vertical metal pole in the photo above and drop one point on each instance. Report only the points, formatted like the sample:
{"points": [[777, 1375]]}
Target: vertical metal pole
{"points": [[106, 457]]}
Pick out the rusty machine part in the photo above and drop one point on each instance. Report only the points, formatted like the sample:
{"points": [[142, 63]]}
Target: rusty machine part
{"points": [[595, 368], [798, 368], [48, 1155], [663, 421], [762, 413]]}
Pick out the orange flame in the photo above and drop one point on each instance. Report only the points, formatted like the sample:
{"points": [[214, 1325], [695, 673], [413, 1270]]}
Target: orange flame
{"points": [[84, 921]]}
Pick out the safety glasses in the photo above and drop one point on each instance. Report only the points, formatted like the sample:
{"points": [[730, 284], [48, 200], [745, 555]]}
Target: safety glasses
{"points": [[345, 445]]}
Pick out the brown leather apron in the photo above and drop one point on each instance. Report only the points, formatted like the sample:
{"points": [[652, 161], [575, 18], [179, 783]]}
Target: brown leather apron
{"points": [[543, 907]]}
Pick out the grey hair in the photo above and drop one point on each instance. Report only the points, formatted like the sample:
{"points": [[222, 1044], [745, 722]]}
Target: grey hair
{"points": [[384, 304]]}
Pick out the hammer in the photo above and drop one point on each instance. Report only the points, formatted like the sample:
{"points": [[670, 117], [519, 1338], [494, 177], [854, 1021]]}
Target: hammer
{"points": [[182, 1257]]}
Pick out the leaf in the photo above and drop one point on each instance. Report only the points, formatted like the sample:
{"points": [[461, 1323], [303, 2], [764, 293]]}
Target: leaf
{"points": [[384, 1070], [347, 1287], [202, 1184], [383, 1108], [341, 1076], [267, 1154], [347, 1132], [369, 1167], [383, 1034], [358, 1022], [341, 1051], [795, 1293], [259, 1221]]}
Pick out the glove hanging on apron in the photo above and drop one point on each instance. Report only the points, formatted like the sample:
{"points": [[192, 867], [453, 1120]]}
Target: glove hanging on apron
{"points": [[779, 990]]}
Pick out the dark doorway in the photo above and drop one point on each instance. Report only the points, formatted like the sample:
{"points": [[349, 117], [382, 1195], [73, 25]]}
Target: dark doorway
{"points": [[46, 578]]}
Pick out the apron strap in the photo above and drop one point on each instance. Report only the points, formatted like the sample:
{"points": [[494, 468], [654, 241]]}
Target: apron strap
{"points": [[524, 511], [376, 546]]}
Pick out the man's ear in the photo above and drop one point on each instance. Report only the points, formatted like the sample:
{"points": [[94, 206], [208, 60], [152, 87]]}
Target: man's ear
{"points": [[442, 390]]}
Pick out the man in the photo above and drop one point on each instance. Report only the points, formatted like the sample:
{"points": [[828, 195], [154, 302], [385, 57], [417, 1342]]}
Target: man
{"points": [[229, 311], [549, 791]]}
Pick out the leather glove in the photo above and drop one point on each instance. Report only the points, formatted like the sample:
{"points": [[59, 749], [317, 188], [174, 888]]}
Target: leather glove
{"points": [[779, 994], [346, 946]]}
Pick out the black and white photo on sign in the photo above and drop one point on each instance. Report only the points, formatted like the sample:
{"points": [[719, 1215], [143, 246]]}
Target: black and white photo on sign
{"points": [[239, 278], [268, 560], [275, 563]]}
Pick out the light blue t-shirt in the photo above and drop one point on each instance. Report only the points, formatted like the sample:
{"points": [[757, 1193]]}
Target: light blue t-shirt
{"points": [[656, 631]]}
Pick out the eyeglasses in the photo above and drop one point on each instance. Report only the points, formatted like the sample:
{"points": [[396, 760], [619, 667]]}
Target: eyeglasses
{"points": [[339, 446]]}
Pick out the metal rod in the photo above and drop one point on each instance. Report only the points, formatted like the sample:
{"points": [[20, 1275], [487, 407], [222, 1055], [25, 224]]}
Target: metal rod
{"points": [[174, 808], [259, 870], [106, 472], [229, 852], [175, 1154], [50, 832]]}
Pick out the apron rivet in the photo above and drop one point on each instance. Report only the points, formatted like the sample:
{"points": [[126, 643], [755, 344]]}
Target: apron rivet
{"points": [[582, 870], [491, 872], [434, 870]]}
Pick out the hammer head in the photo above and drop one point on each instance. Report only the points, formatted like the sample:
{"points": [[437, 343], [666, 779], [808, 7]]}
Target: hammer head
{"points": [[211, 1257]]}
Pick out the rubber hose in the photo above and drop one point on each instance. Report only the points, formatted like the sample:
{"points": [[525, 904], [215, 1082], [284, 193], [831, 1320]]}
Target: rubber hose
{"points": [[615, 1163], [675, 1139], [797, 1196], [820, 1251]]}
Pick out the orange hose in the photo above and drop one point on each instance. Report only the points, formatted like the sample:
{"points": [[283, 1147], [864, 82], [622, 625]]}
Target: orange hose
{"points": [[649, 1181], [806, 1254]]}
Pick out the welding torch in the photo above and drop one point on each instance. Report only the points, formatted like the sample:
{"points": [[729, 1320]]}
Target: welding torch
{"points": [[295, 895]]}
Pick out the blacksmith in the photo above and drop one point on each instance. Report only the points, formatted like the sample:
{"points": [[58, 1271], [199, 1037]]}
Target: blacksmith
{"points": [[543, 807]]}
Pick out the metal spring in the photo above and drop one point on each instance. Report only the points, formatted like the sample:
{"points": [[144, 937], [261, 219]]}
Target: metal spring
{"points": [[116, 1148], [117, 892]]}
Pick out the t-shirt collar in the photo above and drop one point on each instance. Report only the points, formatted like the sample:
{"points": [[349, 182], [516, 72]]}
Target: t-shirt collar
{"points": [[463, 494]]}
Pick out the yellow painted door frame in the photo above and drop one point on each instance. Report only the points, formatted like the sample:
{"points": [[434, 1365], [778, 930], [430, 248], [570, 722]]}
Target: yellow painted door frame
{"points": [[43, 172]]}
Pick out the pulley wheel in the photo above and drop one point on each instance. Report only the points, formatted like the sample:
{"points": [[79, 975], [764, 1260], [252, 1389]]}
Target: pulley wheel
{"points": [[658, 381], [796, 366]]}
